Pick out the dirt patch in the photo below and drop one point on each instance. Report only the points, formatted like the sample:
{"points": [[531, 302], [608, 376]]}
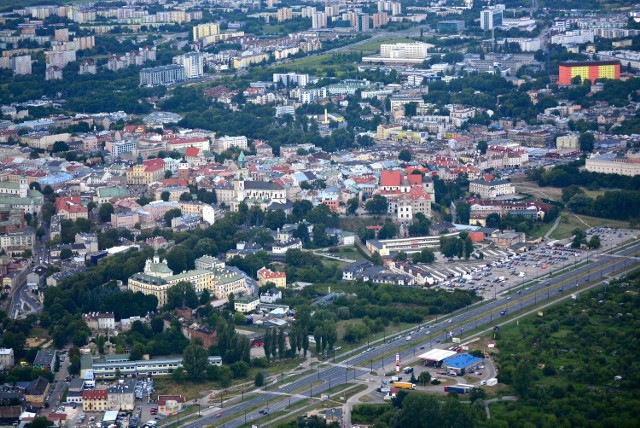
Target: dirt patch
{"points": [[34, 342]]}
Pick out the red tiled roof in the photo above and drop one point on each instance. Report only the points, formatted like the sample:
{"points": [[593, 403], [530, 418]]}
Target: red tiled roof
{"points": [[268, 274], [162, 399], [390, 178], [192, 151], [414, 178], [417, 192], [95, 394], [153, 164], [175, 182]]}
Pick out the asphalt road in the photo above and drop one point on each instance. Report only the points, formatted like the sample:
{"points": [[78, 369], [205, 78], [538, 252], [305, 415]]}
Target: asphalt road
{"points": [[278, 397]]}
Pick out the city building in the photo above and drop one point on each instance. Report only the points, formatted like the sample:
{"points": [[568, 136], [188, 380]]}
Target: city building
{"points": [[284, 14], [454, 26], [318, 20], [590, 70], [121, 396], [492, 188], [146, 172], [169, 404], [568, 141], [37, 391], [193, 63], [21, 65], [266, 276], [362, 22], [203, 30], [246, 304], [406, 52], [95, 400], [491, 18], [224, 143], [163, 75], [45, 359], [380, 19], [71, 208], [506, 240], [6, 359], [409, 245], [291, 79], [157, 278], [628, 164]]}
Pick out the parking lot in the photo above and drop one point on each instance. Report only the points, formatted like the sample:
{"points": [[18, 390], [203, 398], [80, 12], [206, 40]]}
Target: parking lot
{"points": [[500, 269]]}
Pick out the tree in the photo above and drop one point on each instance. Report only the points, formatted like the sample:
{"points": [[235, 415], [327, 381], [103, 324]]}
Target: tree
{"points": [[570, 192], [60, 146], [65, 254], [171, 214], [225, 375], [195, 361], [105, 212], [165, 195], [424, 378], [186, 197], [137, 352], [267, 344], [352, 205], [400, 257], [376, 259], [180, 295], [377, 205], [41, 422], [482, 147], [579, 238], [259, 379], [275, 219], [157, 325], [477, 394], [468, 247], [522, 378], [594, 242], [205, 297], [463, 212], [405, 155], [240, 369], [586, 141], [388, 231], [424, 256]]}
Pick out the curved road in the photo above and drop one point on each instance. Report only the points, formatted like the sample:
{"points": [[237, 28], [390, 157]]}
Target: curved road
{"points": [[279, 398]]}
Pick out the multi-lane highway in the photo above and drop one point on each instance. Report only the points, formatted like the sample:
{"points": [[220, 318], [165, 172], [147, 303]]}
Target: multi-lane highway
{"points": [[279, 397]]}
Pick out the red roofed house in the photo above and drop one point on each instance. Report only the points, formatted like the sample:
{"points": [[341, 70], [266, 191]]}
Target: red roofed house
{"points": [[407, 194], [94, 400], [146, 172], [58, 419], [194, 156], [169, 404], [71, 208], [278, 278], [185, 143]]}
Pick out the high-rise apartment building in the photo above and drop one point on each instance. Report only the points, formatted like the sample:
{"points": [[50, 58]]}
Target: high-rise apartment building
{"points": [[491, 18], [319, 20]]}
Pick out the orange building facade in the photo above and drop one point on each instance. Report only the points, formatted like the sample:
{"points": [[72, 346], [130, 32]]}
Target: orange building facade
{"points": [[591, 70]]}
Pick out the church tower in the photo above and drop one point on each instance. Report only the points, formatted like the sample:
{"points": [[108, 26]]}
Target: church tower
{"points": [[24, 186]]}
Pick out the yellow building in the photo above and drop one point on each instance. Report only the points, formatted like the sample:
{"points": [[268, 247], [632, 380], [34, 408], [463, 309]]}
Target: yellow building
{"points": [[266, 276], [157, 278], [204, 30], [146, 172]]}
